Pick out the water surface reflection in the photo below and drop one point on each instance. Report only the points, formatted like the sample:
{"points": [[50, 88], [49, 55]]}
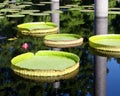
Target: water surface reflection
{"points": [[106, 65]]}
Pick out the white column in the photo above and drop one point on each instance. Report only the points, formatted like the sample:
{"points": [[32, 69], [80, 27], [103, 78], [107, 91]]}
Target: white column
{"points": [[101, 26], [55, 4], [101, 8], [55, 15]]}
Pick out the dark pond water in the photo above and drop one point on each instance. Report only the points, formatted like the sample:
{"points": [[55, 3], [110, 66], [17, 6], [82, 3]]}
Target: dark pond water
{"points": [[98, 74]]}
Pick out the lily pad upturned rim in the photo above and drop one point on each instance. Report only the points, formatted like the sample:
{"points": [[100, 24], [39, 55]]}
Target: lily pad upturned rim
{"points": [[53, 37], [43, 29], [44, 72], [25, 26], [50, 78], [94, 42], [53, 40]]}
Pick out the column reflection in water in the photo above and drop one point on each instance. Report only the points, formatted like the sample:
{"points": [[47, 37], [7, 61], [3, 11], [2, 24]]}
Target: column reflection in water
{"points": [[101, 27], [100, 75], [56, 86]]}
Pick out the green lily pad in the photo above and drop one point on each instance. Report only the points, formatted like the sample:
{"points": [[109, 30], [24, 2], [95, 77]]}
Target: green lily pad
{"points": [[86, 10], [53, 11], [113, 12], [66, 7], [38, 29], [108, 42], [114, 9], [1, 6], [12, 39], [15, 16], [23, 6], [9, 10], [76, 9], [1, 14], [29, 3], [28, 11], [39, 14], [40, 62], [39, 4], [63, 40], [1, 17], [37, 25], [25, 12], [72, 5], [62, 37], [46, 62], [88, 6], [46, 2]]}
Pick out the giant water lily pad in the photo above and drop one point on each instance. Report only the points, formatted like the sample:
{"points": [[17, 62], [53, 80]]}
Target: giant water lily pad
{"points": [[38, 29], [72, 5], [30, 10], [39, 4], [46, 2], [1, 6], [107, 42], [23, 6], [30, 3], [1, 17], [15, 16], [113, 12], [25, 12], [9, 10], [45, 63], [39, 14], [53, 11], [75, 9], [63, 40]]}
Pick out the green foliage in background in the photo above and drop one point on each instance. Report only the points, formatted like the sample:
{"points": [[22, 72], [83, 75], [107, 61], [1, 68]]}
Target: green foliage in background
{"points": [[71, 21], [112, 3]]}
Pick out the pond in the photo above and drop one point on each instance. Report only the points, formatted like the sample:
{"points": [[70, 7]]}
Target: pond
{"points": [[97, 75]]}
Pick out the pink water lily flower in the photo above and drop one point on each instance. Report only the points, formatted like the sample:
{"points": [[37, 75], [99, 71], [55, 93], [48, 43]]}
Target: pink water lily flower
{"points": [[25, 46]]}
